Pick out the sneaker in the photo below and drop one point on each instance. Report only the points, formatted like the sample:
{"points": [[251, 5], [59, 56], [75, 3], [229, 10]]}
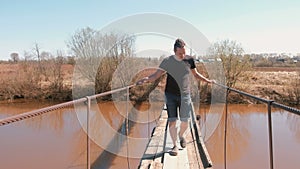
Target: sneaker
{"points": [[182, 142], [174, 151]]}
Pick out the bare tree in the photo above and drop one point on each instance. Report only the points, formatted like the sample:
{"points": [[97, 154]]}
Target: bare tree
{"points": [[98, 55], [57, 72], [36, 51], [45, 55], [234, 63], [294, 90], [27, 56], [14, 57], [87, 49]]}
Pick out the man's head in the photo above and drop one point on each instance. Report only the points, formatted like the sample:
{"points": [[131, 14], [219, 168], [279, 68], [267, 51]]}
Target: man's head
{"points": [[179, 48]]}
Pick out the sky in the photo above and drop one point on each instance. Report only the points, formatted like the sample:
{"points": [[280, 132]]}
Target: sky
{"points": [[260, 26]]}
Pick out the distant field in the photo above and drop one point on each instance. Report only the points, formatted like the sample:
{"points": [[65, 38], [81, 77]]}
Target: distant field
{"points": [[9, 70], [277, 69]]}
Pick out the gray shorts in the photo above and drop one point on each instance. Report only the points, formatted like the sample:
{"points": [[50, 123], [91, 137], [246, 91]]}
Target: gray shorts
{"points": [[182, 102]]}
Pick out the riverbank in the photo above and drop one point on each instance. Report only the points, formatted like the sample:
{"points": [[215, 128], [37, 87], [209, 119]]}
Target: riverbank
{"points": [[276, 83], [26, 81]]}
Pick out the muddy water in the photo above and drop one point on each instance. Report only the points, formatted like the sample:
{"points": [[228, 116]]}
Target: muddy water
{"points": [[57, 139], [247, 139]]}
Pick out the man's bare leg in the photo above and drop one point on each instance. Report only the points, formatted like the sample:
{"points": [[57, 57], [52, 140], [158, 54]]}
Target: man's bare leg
{"points": [[173, 132], [183, 128]]}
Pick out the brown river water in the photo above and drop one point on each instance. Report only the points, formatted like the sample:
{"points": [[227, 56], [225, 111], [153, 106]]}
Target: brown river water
{"points": [[57, 140]]}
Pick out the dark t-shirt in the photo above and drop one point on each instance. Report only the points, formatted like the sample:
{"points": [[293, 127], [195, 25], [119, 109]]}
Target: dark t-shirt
{"points": [[178, 79]]}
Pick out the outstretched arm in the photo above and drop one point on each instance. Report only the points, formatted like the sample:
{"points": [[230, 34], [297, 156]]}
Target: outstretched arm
{"points": [[199, 76], [152, 77]]}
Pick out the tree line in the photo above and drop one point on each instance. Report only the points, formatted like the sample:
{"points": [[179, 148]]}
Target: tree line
{"points": [[98, 57]]}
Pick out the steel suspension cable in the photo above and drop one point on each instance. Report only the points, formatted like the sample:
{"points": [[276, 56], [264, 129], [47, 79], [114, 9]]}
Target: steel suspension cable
{"points": [[38, 112]]}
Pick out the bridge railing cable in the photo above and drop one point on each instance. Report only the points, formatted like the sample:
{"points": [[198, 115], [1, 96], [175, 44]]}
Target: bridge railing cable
{"points": [[286, 108], [275, 104], [38, 112], [41, 111]]}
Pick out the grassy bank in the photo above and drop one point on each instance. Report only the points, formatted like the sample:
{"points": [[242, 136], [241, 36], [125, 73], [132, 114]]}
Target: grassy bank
{"points": [[32, 80]]}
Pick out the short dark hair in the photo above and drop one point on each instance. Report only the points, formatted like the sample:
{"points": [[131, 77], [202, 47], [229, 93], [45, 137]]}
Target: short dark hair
{"points": [[179, 43]]}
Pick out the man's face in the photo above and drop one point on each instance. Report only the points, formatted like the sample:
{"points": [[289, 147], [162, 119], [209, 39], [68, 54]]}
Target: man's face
{"points": [[180, 53]]}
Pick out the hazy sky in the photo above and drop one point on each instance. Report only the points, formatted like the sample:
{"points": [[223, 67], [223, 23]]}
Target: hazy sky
{"points": [[259, 25]]}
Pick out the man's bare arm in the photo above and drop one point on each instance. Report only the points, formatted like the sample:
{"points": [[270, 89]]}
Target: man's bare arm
{"points": [[199, 76], [152, 77]]}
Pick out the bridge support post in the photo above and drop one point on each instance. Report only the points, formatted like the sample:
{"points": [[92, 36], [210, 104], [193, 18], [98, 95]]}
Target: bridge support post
{"points": [[270, 134], [225, 128], [88, 132]]}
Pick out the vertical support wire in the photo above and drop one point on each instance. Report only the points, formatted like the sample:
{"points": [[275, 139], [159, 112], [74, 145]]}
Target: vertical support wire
{"points": [[148, 122], [127, 126], [88, 132], [127, 121], [270, 134], [225, 129]]}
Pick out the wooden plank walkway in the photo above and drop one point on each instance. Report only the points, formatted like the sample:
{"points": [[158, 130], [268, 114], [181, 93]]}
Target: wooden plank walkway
{"points": [[175, 162], [157, 156], [153, 156]]}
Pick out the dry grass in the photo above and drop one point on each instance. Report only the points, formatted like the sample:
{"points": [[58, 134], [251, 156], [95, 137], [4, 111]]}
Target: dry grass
{"points": [[26, 80], [274, 83]]}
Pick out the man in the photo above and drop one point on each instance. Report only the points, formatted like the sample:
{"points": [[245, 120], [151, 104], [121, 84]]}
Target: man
{"points": [[177, 91]]}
